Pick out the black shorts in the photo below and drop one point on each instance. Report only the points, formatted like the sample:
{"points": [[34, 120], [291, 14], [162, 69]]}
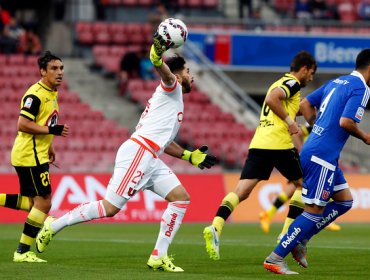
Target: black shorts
{"points": [[260, 164], [34, 181]]}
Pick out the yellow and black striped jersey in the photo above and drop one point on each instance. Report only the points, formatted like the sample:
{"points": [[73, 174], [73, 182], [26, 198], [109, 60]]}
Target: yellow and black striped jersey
{"points": [[272, 132], [39, 104]]}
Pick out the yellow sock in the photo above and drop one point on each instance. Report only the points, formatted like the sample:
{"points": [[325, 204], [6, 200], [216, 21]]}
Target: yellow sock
{"points": [[2, 199], [271, 212], [23, 203], [15, 201], [229, 203], [283, 197], [287, 223], [280, 200], [33, 224], [218, 223], [296, 199]]}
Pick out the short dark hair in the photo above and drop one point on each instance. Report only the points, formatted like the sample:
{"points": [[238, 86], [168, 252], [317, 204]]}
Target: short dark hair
{"points": [[176, 63], [45, 59], [363, 59], [302, 59]]}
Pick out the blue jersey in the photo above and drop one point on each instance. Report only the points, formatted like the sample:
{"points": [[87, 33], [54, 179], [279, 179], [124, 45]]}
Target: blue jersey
{"points": [[345, 96]]}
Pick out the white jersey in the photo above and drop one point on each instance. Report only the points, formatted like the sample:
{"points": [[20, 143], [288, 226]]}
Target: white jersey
{"points": [[162, 117]]}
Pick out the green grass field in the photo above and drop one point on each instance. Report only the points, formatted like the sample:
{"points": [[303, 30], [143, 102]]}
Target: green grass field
{"points": [[120, 251]]}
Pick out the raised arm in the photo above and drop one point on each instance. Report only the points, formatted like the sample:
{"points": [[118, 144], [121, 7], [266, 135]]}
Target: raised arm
{"points": [[156, 51]]}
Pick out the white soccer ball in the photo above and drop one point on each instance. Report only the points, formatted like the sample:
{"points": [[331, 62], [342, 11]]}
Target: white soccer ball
{"points": [[173, 31]]}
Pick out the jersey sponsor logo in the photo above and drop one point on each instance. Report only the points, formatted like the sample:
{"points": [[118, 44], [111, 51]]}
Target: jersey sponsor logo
{"points": [[325, 220], [291, 237], [291, 83], [360, 112], [131, 192], [341, 82], [171, 225], [325, 194], [53, 119], [265, 123], [180, 116], [28, 102]]}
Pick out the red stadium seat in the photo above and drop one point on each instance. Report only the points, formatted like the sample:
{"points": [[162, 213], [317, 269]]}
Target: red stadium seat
{"points": [[210, 4], [194, 4], [117, 51], [111, 64], [101, 32], [129, 2], [16, 59], [10, 72], [86, 38], [82, 26], [118, 34], [135, 33], [3, 60], [347, 11], [151, 85], [136, 84], [102, 38], [31, 60], [145, 2], [114, 2], [100, 50]]}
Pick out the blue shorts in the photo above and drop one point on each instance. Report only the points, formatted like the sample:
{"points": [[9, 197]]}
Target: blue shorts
{"points": [[321, 180]]}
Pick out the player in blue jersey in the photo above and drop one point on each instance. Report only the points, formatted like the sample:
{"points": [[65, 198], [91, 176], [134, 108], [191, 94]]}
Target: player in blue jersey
{"points": [[334, 111]]}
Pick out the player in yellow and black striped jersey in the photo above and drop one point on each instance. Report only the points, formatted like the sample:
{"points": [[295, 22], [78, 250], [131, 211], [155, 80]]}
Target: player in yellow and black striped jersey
{"points": [[33, 151], [296, 205], [271, 145]]}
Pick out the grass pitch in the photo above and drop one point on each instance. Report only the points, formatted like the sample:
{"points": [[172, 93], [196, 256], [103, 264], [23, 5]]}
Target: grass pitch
{"points": [[120, 251]]}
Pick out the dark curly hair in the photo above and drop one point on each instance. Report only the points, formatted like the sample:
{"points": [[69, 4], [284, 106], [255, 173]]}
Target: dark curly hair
{"points": [[302, 59], [363, 59], [45, 59], [176, 63]]}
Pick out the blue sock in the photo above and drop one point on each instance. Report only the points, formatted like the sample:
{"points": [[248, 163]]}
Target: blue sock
{"points": [[332, 211], [301, 226]]}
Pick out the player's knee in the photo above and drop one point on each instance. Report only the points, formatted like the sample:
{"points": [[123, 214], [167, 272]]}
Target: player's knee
{"points": [[178, 194], [110, 209], [183, 196], [42, 203]]}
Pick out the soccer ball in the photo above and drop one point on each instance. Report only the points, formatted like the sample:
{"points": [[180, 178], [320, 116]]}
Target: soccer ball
{"points": [[173, 31]]}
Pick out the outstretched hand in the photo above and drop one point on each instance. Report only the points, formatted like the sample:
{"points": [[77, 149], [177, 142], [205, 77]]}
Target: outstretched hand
{"points": [[159, 44], [199, 158]]}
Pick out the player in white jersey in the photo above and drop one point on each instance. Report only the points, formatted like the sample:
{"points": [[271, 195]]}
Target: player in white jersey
{"points": [[138, 167]]}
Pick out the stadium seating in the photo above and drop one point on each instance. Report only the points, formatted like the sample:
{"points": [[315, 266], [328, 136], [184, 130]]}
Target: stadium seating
{"points": [[93, 139], [92, 33], [227, 139], [194, 4]]}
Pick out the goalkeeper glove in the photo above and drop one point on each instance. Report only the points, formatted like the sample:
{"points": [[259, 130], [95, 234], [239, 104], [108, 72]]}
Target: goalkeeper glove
{"points": [[199, 158], [154, 58], [158, 48], [56, 129]]}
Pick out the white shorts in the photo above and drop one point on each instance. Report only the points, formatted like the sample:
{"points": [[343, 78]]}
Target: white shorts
{"points": [[137, 168]]}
